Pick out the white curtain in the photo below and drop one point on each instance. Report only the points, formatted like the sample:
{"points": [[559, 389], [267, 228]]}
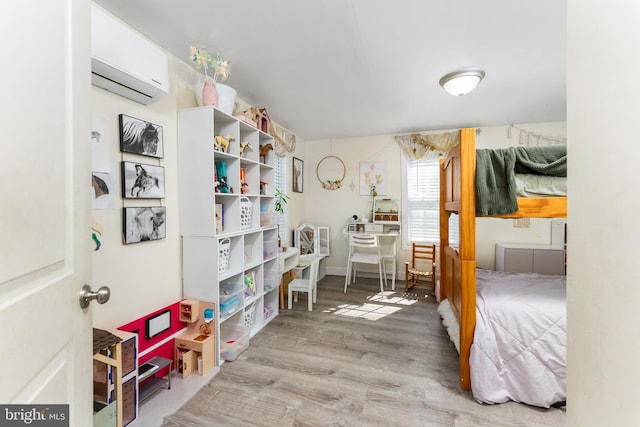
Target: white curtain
{"points": [[428, 147]]}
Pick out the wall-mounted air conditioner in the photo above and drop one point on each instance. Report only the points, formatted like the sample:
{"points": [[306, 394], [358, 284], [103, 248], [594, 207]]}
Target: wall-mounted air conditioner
{"points": [[124, 62]]}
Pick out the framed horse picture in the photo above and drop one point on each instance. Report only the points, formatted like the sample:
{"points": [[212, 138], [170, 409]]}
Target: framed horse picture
{"points": [[144, 223], [142, 181], [140, 137]]}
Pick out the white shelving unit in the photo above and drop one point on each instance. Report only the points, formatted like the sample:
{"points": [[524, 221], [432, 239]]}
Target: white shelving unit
{"points": [[215, 262], [386, 211]]}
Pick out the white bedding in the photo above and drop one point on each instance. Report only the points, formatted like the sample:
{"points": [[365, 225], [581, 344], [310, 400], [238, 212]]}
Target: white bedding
{"points": [[528, 185], [519, 346]]}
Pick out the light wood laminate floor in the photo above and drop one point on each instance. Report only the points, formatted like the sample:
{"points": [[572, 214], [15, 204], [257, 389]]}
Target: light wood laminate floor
{"points": [[355, 360]]}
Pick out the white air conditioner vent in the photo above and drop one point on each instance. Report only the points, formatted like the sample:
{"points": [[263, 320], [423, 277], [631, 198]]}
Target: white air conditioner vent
{"points": [[124, 62]]}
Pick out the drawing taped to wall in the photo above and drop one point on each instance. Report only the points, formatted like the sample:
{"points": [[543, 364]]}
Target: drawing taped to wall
{"points": [[140, 137], [144, 223], [101, 191]]}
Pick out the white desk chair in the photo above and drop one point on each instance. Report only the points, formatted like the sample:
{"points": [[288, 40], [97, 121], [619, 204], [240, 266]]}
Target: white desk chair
{"points": [[310, 286], [392, 259], [358, 243]]}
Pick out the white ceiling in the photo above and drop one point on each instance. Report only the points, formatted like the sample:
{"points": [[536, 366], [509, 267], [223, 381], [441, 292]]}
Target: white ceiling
{"points": [[342, 68]]}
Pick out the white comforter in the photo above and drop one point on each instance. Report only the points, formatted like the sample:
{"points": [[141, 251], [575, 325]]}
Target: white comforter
{"points": [[519, 346]]}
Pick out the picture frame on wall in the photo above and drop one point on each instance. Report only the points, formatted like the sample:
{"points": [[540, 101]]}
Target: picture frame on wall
{"points": [[140, 137], [373, 173], [144, 223], [297, 175], [142, 181]]}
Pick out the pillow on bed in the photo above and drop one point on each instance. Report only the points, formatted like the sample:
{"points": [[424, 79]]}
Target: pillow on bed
{"points": [[528, 185]]}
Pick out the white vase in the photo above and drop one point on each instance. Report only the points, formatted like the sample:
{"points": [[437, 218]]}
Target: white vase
{"points": [[226, 98], [197, 91]]}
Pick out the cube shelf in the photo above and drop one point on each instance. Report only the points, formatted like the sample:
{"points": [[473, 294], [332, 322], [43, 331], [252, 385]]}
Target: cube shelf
{"points": [[227, 220]]}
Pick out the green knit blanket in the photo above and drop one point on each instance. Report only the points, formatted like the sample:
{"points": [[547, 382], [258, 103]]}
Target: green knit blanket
{"points": [[496, 174]]}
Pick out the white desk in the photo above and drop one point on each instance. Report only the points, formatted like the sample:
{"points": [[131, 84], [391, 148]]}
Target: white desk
{"points": [[388, 247], [294, 265], [288, 260]]}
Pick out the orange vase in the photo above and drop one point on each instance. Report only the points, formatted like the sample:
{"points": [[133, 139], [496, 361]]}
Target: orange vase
{"points": [[209, 94]]}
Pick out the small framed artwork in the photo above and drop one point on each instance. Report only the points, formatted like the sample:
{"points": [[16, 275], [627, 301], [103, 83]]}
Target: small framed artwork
{"points": [[373, 175], [140, 137], [141, 181], [144, 223], [298, 174]]}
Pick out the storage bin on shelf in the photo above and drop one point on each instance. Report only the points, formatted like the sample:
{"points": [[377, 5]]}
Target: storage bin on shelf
{"points": [[267, 219], [233, 342], [250, 316], [268, 312], [270, 249], [231, 298], [271, 280], [224, 246], [246, 213]]}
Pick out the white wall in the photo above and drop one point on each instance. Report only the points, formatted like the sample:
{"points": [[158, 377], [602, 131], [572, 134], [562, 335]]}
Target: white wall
{"points": [[145, 276], [603, 269], [334, 208]]}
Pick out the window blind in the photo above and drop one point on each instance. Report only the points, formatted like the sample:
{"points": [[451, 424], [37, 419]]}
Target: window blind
{"points": [[280, 181], [421, 203]]}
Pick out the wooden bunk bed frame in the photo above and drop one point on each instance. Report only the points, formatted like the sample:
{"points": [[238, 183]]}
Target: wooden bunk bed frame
{"points": [[458, 266]]}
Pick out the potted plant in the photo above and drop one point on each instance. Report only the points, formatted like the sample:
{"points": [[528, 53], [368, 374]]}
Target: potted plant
{"points": [[373, 191], [281, 201]]}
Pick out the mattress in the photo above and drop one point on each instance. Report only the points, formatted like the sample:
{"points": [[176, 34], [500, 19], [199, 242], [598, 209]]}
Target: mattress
{"points": [[519, 345], [528, 185]]}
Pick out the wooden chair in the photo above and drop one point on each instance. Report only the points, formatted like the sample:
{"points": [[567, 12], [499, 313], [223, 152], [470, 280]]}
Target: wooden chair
{"points": [[422, 266]]}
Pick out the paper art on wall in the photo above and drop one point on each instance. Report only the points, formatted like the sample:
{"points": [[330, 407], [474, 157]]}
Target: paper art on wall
{"points": [[100, 143], [102, 195], [373, 173]]}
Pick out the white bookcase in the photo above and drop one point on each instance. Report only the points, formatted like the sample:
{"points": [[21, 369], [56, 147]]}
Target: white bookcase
{"points": [[215, 262]]}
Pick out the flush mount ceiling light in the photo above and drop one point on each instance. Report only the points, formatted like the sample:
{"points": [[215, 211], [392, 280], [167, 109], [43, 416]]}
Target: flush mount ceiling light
{"points": [[462, 82]]}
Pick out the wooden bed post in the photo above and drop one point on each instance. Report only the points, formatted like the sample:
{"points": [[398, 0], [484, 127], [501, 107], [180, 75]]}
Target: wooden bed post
{"points": [[467, 252], [444, 232]]}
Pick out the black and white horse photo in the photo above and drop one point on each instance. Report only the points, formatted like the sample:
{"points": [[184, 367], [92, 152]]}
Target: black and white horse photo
{"points": [[140, 181], [140, 137], [145, 223]]}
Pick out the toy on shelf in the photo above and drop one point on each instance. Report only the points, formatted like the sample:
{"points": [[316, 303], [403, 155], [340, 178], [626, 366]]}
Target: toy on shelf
{"points": [[221, 183], [222, 143], [264, 152], [244, 146], [261, 118]]}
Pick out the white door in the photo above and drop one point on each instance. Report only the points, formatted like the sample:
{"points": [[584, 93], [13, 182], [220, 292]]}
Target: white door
{"points": [[45, 234]]}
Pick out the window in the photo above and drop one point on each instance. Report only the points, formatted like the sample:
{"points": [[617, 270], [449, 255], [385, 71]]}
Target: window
{"points": [[421, 203], [281, 182]]}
